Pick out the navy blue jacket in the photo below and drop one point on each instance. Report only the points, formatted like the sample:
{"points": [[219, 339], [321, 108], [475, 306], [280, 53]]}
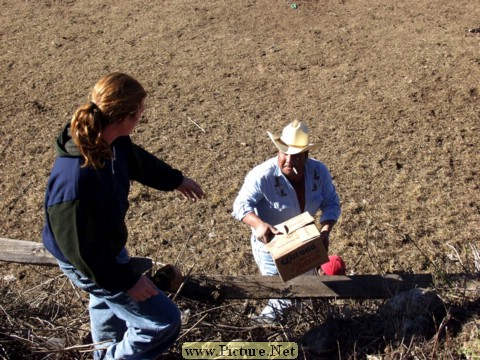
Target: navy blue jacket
{"points": [[85, 207]]}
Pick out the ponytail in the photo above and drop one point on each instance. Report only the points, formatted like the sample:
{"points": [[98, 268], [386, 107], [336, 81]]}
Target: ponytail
{"points": [[114, 97], [86, 128]]}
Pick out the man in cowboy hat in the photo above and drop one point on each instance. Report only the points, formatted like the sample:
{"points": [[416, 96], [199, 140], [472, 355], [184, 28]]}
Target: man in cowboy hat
{"points": [[281, 188]]}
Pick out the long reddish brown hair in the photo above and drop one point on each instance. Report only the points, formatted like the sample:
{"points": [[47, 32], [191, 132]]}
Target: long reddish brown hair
{"points": [[114, 97]]}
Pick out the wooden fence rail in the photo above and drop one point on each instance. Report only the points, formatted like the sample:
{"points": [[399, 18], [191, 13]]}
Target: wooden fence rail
{"points": [[217, 287]]}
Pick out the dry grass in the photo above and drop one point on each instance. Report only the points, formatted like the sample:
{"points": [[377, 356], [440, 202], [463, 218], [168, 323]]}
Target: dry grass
{"points": [[389, 88], [48, 320]]}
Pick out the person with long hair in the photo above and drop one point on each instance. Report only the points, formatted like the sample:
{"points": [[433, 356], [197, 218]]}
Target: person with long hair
{"points": [[86, 202]]}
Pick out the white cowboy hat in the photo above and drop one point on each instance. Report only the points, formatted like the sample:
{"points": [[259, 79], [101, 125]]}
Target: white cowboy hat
{"points": [[294, 139]]}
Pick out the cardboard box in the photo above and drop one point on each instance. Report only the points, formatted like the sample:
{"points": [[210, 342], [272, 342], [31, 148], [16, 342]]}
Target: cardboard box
{"points": [[299, 248]]}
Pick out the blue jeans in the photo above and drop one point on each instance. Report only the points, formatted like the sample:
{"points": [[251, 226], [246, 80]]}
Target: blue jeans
{"points": [[266, 264], [123, 328]]}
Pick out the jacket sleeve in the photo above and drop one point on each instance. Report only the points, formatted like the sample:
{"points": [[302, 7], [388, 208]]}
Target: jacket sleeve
{"points": [[151, 171], [77, 227], [248, 197], [330, 205]]}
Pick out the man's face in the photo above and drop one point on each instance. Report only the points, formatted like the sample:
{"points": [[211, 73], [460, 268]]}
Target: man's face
{"points": [[292, 166]]}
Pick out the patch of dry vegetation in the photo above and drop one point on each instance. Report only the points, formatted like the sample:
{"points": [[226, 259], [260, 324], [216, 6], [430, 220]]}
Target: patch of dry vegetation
{"points": [[46, 318], [390, 90]]}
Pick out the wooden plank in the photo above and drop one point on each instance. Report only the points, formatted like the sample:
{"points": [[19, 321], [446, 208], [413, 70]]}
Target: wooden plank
{"points": [[33, 253], [266, 287], [25, 252], [215, 288]]}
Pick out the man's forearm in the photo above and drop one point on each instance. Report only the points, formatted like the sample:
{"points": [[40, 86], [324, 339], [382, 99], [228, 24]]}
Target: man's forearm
{"points": [[252, 220], [327, 225]]}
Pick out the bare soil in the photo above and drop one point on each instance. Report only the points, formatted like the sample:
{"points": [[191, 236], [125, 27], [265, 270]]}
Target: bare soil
{"points": [[390, 90]]}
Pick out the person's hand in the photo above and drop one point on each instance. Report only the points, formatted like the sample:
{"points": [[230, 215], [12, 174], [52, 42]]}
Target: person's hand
{"points": [[190, 190], [143, 289], [326, 228], [265, 232], [324, 236]]}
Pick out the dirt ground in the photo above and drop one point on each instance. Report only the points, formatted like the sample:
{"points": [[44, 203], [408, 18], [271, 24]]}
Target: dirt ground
{"points": [[389, 88]]}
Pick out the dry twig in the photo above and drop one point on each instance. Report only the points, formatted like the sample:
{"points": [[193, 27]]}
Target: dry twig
{"points": [[183, 282], [182, 251], [193, 327], [476, 256], [195, 124]]}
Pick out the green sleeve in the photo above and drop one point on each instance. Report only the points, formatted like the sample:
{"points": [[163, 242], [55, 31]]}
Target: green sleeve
{"points": [[77, 228]]}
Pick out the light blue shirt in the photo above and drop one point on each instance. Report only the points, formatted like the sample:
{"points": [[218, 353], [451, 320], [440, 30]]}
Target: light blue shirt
{"points": [[268, 193]]}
